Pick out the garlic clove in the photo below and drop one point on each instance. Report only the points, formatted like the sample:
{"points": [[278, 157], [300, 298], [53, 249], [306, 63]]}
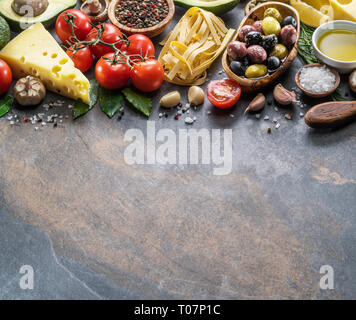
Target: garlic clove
{"points": [[170, 100], [283, 96], [20, 87], [196, 95], [257, 103]]}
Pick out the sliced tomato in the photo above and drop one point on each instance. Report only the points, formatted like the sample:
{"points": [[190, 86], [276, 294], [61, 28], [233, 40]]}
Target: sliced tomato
{"points": [[223, 93]]}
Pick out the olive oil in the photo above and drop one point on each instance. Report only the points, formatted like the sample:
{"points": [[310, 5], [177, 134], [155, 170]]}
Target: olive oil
{"points": [[339, 45]]}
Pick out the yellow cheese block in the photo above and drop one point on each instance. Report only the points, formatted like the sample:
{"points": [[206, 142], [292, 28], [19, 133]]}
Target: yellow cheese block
{"points": [[309, 14], [35, 52], [344, 9], [317, 4]]}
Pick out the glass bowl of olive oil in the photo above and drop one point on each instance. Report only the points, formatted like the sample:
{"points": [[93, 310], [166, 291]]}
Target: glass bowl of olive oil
{"points": [[334, 44]]}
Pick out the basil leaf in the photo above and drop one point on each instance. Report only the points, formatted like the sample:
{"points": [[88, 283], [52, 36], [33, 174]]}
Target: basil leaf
{"points": [[81, 108], [5, 105], [139, 101], [110, 101], [93, 92]]}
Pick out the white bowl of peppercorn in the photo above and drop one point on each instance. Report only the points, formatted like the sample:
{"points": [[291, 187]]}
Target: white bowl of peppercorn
{"points": [[147, 17]]}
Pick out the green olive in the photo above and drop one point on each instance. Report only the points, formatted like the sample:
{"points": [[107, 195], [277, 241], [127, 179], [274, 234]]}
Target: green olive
{"points": [[279, 51], [256, 71], [270, 25], [273, 12]]}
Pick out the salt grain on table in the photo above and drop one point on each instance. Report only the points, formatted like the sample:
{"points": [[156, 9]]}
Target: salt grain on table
{"points": [[189, 120]]}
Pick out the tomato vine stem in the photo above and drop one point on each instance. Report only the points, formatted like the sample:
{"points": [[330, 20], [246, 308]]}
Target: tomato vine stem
{"points": [[75, 44]]}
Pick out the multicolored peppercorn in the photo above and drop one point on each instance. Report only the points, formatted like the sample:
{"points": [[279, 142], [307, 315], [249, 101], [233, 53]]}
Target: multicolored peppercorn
{"points": [[141, 14]]}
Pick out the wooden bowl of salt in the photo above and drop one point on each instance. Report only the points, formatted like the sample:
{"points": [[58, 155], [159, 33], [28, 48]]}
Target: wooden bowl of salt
{"points": [[309, 91]]}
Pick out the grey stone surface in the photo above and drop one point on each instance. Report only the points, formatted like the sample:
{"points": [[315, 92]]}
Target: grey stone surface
{"points": [[94, 227]]}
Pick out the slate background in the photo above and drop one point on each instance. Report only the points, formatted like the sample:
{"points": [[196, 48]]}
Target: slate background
{"points": [[93, 227]]}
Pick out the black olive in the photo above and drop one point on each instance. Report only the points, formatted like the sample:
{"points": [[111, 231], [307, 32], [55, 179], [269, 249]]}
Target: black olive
{"points": [[289, 20], [245, 61], [237, 68], [269, 42], [273, 63], [253, 38]]}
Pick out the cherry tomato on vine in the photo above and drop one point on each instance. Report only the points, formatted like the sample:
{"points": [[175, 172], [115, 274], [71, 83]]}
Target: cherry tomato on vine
{"points": [[112, 75], [111, 35], [5, 76], [141, 45], [81, 21], [147, 75], [82, 57], [223, 93]]}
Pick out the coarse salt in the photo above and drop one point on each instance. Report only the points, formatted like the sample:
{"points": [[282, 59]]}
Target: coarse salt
{"points": [[317, 79]]}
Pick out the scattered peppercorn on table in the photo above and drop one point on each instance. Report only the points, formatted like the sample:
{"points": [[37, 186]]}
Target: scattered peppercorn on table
{"points": [[170, 226]]}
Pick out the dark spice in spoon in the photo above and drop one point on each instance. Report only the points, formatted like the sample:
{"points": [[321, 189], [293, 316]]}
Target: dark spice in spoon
{"points": [[141, 14]]}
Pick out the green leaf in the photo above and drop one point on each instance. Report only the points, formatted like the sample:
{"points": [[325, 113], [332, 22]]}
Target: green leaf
{"points": [[110, 101], [338, 96], [139, 101], [93, 92], [81, 108], [5, 105]]}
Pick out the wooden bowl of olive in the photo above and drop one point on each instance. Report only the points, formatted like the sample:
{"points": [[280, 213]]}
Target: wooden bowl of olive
{"points": [[268, 51]]}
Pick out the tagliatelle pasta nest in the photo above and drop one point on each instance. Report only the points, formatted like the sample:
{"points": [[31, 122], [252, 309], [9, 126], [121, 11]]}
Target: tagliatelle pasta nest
{"points": [[189, 50]]}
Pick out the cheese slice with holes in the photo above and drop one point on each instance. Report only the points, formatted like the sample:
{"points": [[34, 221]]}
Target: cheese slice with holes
{"points": [[344, 9], [35, 52]]}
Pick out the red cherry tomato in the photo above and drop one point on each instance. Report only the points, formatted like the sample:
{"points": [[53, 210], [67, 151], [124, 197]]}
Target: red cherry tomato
{"points": [[5, 77], [83, 58], [223, 93], [111, 34], [81, 29], [141, 45], [112, 75], [147, 75]]}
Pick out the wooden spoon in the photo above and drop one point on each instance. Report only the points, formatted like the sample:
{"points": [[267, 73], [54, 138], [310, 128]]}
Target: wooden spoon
{"points": [[331, 114]]}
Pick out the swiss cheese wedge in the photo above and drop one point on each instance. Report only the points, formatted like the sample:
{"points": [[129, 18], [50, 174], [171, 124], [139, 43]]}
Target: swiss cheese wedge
{"points": [[344, 9], [35, 52]]}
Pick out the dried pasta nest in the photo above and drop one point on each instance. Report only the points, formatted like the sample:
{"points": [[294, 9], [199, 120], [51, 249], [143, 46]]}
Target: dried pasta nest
{"points": [[189, 50]]}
